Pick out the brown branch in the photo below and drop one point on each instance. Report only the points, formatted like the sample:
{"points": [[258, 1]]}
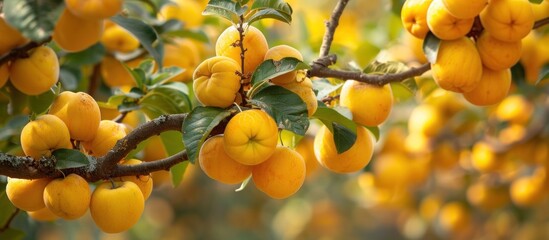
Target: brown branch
{"points": [[95, 77], [121, 116], [318, 70], [541, 22], [8, 223], [103, 167], [22, 51], [331, 27]]}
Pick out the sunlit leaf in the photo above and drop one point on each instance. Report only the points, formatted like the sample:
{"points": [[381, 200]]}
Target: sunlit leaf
{"points": [[177, 172], [270, 69], [70, 158], [224, 8], [34, 19], [430, 47]]}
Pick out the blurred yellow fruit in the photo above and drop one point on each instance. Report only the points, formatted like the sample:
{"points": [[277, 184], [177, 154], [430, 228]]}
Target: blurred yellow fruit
{"points": [[512, 133], [26, 194], [116, 206], [541, 10], [417, 143], [43, 215], [508, 20], [216, 82], [527, 191], [426, 120], [254, 43], [43, 135], [281, 175], [454, 217], [484, 158], [369, 104], [68, 197], [281, 51], [444, 25], [458, 67], [251, 137], [492, 88], [352, 160], [187, 11], [414, 17], [429, 206], [416, 44], [144, 182], [304, 89], [218, 165], [394, 140], [118, 39], [392, 170], [515, 109], [108, 133], [182, 53], [37, 73], [11, 37], [305, 148], [80, 112], [154, 150], [465, 9], [445, 156], [447, 102], [94, 9], [74, 34], [487, 198], [496, 54]]}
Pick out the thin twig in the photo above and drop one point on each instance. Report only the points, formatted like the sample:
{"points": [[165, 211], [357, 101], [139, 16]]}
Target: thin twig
{"points": [[121, 116], [95, 77], [22, 51], [541, 22], [7, 225], [331, 27]]}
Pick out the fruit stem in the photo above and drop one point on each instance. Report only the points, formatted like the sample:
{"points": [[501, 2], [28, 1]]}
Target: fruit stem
{"points": [[244, 79]]}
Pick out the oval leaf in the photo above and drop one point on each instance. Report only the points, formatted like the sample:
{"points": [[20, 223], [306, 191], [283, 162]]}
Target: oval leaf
{"points": [[287, 108], [269, 13], [344, 138], [224, 8], [146, 35], [69, 158], [270, 69], [198, 125], [34, 19], [430, 47]]}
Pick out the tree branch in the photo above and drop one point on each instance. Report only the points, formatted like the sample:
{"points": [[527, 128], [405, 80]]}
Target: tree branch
{"points": [[8, 223], [22, 51], [541, 22], [331, 27], [103, 167]]}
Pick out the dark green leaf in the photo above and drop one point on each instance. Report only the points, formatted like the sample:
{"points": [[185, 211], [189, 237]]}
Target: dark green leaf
{"points": [[224, 8], [518, 73], [343, 137], [375, 131], [34, 19], [329, 115], [12, 234], [543, 74], [287, 108], [146, 35], [198, 125], [195, 34], [91, 55], [139, 76], [177, 172], [70, 158], [269, 13], [135, 93], [172, 142], [40, 103], [69, 77], [536, 1], [270, 69], [396, 6], [7, 209], [430, 47]]}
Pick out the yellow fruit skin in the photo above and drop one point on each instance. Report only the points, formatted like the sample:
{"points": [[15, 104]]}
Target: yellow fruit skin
{"points": [[515, 109], [37, 73], [370, 104], [116, 38], [43, 215], [182, 53], [508, 20], [496, 54], [352, 160], [250, 137], [144, 182], [216, 82], [80, 112], [304, 90], [305, 148], [414, 17], [4, 74], [26, 194], [10, 39], [444, 25], [108, 133], [69, 197], [187, 11], [116, 209], [465, 9], [426, 120], [483, 158], [492, 88], [74, 34], [458, 67], [114, 73], [282, 175], [281, 51], [94, 9], [43, 135], [254, 42], [218, 165], [392, 170], [527, 191], [454, 217]]}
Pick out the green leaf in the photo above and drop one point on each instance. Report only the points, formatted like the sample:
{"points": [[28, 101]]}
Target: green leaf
{"points": [[12, 234], [404, 90], [543, 74], [69, 77], [69, 158], [343, 137], [269, 13], [40, 103], [7, 209], [177, 172], [198, 125], [146, 35], [139, 76], [375, 131], [536, 1], [329, 115], [223, 8], [518, 73], [165, 75], [165, 100], [279, 5], [91, 55], [324, 88], [270, 69], [34, 19], [286, 107], [376, 67], [430, 47], [14, 126], [195, 34], [147, 66]]}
